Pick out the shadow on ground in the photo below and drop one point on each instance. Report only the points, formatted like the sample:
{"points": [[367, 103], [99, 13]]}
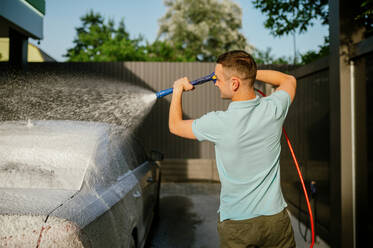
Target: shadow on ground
{"points": [[176, 225]]}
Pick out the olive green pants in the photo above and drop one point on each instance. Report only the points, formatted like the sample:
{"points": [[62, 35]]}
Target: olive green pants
{"points": [[262, 231]]}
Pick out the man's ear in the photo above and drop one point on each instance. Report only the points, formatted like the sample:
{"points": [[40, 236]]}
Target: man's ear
{"points": [[235, 83]]}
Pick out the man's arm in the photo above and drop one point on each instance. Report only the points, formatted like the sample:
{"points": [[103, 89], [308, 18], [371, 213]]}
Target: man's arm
{"points": [[283, 81], [177, 125]]}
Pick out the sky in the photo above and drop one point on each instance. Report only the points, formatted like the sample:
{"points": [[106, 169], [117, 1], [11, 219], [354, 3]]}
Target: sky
{"points": [[141, 18]]}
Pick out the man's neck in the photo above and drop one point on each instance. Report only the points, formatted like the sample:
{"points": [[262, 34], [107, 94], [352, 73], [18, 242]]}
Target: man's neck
{"points": [[244, 95]]}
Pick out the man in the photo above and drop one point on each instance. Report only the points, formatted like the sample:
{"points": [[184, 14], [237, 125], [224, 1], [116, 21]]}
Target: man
{"points": [[247, 136]]}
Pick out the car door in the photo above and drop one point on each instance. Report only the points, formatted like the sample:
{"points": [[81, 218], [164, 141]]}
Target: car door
{"points": [[139, 170], [146, 174], [126, 158]]}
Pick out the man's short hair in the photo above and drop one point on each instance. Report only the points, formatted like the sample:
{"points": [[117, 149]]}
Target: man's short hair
{"points": [[239, 63]]}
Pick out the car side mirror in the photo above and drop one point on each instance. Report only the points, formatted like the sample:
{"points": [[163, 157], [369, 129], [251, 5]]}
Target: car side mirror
{"points": [[156, 155]]}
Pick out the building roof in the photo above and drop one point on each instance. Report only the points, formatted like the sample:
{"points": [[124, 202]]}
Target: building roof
{"points": [[25, 16]]}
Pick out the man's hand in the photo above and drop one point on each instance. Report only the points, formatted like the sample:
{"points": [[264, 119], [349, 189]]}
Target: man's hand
{"points": [[283, 81], [183, 84]]}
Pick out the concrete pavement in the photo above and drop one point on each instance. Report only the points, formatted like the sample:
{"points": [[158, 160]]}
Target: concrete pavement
{"points": [[188, 218]]}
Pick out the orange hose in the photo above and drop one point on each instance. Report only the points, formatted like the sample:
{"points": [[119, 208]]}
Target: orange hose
{"points": [[302, 182]]}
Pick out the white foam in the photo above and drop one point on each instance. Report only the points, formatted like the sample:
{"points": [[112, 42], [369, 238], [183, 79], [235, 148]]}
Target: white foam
{"points": [[29, 124], [46, 156], [32, 201], [24, 231], [20, 231], [36, 161]]}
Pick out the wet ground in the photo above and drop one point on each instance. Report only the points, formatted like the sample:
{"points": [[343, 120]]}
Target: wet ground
{"points": [[188, 217]]}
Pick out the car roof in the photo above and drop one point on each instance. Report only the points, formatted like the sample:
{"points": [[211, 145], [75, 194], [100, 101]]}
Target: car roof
{"points": [[55, 153]]}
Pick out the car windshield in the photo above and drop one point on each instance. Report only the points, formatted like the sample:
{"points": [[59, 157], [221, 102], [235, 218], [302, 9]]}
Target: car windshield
{"points": [[46, 155]]}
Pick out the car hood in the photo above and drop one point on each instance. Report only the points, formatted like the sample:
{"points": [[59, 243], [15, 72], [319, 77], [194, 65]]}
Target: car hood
{"points": [[32, 201], [47, 154]]}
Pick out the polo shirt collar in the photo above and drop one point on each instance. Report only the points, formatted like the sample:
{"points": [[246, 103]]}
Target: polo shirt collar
{"points": [[244, 104]]}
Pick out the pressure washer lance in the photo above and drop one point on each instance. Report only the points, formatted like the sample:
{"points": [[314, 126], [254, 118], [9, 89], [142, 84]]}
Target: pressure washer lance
{"points": [[201, 80], [212, 77]]}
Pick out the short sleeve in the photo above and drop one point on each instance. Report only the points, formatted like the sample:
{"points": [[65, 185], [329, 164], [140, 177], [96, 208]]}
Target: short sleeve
{"points": [[207, 127], [280, 100]]}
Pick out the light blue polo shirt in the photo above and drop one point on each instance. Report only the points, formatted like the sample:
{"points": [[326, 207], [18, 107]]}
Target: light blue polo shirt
{"points": [[247, 147]]}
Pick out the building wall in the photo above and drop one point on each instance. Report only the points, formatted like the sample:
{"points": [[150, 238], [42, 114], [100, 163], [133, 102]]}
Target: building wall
{"points": [[34, 54]]}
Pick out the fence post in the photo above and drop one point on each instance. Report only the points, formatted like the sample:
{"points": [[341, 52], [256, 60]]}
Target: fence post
{"points": [[344, 33]]}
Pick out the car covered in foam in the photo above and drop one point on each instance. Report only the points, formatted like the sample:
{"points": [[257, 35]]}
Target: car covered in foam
{"points": [[75, 184]]}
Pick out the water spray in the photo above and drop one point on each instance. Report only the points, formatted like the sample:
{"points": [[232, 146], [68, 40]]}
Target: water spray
{"points": [[212, 77]]}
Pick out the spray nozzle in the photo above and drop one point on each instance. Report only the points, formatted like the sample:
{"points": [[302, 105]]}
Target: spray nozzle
{"points": [[201, 80]]}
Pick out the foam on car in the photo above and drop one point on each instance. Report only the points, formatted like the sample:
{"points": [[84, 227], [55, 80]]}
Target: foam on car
{"points": [[32, 231], [47, 154]]}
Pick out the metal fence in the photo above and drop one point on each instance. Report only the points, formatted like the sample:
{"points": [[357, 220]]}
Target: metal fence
{"points": [[307, 125]]}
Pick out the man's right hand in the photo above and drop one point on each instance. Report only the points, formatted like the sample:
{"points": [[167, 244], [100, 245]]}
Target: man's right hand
{"points": [[183, 84]]}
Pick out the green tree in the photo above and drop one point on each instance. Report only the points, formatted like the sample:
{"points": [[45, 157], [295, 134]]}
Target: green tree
{"points": [[100, 41], [97, 40], [366, 16], [286, 17], [164, 51], [313, 55], [202, 29]]}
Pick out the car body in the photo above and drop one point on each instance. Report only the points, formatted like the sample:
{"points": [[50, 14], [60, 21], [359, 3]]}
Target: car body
{"points": [[74, 184]]}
